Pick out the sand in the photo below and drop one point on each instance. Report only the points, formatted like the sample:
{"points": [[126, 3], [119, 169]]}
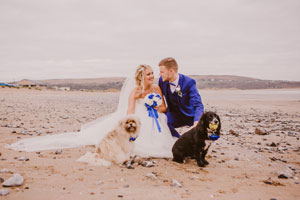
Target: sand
{"points": [[243, 165]]}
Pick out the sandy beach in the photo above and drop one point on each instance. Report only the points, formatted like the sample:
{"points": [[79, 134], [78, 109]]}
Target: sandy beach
{"points": [[257, 156]]}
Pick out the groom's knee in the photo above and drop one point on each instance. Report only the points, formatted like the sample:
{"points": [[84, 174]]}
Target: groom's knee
{"points": [[170, 124]]}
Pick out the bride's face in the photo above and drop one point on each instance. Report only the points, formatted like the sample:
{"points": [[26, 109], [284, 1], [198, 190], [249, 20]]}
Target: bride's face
{"points": [[148, 76]]}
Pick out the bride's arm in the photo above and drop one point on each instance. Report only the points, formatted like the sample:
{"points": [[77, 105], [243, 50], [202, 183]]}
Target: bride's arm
{"points": [[131, 102], [162, 108], [135, 94]]}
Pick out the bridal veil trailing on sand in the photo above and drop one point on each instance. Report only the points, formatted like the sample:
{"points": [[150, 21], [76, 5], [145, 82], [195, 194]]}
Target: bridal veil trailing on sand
{"points": [[150, 143], [89, 134]]}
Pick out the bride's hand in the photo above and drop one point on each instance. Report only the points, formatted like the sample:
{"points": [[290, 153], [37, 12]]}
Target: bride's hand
{"points": [[138, 93], [156, 108]]}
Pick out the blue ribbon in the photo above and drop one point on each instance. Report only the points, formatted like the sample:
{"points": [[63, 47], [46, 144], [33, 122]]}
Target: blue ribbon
{"points": [[214, 137], [153, 113]]}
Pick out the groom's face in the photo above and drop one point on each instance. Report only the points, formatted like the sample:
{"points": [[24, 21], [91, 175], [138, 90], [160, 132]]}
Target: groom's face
{"points": [[165, 73]]}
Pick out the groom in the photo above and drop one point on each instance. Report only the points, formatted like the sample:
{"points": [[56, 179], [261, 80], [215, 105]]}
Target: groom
{"points": [[183, 100]]}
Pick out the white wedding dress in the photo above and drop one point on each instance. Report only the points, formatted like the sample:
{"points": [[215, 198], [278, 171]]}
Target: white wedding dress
{"points": [[150, 143]]}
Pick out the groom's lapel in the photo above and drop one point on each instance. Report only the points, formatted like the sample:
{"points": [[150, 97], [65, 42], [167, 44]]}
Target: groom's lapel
{"points": [[165, 84], [165, 92], [180, 81]]}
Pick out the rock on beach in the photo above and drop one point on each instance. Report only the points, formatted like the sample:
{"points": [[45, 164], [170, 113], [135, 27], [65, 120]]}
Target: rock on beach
{"points": [[15, 180]]}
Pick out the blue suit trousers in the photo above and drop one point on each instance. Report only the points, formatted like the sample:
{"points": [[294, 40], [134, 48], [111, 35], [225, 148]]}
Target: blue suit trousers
{"points": [[176, 120]]}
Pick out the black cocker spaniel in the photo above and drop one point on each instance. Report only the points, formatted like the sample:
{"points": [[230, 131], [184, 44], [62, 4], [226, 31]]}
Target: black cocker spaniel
{"points": [[193, 142]]}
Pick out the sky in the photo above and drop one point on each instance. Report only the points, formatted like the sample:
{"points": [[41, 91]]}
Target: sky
{"points": [[54, 39]]}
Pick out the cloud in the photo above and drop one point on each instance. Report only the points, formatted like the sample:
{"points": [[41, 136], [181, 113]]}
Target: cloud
{"points": [[114, 36]]}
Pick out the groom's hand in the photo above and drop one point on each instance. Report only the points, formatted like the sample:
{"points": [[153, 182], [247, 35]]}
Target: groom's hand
{"points": [[194, 125]]}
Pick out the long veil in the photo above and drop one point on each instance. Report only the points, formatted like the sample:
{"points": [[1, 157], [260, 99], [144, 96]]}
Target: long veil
{"points": [[90, 134]]}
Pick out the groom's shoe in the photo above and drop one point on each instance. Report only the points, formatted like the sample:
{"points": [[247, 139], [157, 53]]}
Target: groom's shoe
{"points": [[173, 131]]}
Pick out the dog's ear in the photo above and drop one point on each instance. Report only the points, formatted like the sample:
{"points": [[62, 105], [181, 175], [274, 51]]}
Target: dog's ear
{"points": [[219, 126], [201, 124], [137, 123], [122, 122]]}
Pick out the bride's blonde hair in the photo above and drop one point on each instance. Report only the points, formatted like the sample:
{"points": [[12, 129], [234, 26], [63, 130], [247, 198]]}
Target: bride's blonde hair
{"points": [[139, 75]]}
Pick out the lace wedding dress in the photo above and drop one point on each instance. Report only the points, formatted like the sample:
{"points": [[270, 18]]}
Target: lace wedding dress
{"points": [[150, 143]]}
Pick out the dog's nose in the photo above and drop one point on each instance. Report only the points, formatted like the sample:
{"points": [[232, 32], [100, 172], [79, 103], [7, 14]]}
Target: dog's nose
{"points": [[215, 121]]}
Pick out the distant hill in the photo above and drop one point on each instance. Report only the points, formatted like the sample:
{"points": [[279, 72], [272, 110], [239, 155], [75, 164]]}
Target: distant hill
{"points": [[203, 82], [240, 82], [114, 83]]}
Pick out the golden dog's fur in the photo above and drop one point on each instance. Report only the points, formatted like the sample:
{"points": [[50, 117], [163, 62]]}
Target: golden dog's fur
{"points": [[116, 146]]}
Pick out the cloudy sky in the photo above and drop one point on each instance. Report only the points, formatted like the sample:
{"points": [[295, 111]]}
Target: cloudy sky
{"points": [[94, 38]]}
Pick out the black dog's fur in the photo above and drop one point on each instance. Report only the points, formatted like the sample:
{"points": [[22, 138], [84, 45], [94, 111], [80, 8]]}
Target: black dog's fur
{"points": [[192, 143]]}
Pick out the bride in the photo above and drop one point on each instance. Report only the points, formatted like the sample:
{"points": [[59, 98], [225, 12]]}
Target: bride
{"points": [[150, 143]]}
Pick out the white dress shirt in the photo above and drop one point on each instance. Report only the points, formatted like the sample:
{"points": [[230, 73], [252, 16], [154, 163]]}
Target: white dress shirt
{"points": [[172, 87]]}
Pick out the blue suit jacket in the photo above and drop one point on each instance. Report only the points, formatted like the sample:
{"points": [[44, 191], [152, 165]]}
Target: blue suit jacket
{"points": [[190, 103]]}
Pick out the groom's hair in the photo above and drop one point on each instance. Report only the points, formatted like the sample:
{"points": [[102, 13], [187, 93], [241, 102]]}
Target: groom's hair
{"points": [[169, 63]]}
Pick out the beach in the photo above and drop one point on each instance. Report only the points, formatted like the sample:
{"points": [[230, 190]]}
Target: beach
{"points": [[256, 157]]}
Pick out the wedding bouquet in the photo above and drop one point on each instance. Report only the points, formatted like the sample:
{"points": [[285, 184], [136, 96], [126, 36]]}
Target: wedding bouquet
{"points": [[153, 100]]}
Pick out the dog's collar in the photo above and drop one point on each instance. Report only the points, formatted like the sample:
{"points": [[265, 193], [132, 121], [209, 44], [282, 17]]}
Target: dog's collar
{"points": [[131, 139], [213, 137]]}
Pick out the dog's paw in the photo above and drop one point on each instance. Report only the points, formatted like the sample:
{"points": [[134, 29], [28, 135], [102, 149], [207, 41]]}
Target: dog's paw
{"points": [[178, 160], [128, 164], [205, 162], [201, 163]]}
